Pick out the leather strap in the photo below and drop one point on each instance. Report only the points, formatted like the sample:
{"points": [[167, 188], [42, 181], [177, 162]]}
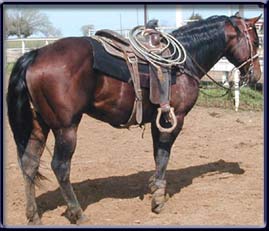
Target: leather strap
{"points": [[132, 64]]}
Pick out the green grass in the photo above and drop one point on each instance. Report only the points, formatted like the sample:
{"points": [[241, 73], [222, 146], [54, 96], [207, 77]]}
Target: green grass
{"points": [[249, 99], [9, 67]]}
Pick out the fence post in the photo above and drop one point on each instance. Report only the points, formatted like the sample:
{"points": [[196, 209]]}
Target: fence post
{"points": [[225, 81], [22, 46], [236, 89]]}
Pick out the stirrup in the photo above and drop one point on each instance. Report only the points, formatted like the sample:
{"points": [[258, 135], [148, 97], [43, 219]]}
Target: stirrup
{"points": [[174, 120]]}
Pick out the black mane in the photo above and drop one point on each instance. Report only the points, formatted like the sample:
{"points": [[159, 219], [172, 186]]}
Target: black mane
{"points": [[197, 36], [205, 39]]}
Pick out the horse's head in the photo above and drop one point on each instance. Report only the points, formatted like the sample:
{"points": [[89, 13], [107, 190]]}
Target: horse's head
{"points": [[242, 47]]}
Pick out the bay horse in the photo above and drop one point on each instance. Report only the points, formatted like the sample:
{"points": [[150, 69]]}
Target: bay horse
{"points": [[50, 88]]}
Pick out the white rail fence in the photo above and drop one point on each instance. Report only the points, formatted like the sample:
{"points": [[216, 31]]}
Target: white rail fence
{"points": [[14, 48]]}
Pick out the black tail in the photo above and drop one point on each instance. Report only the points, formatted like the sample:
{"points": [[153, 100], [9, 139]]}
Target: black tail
{"points": [[19, 111]]}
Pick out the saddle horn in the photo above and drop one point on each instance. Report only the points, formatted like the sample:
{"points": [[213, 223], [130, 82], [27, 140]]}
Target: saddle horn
{"points": [[152, 24]]}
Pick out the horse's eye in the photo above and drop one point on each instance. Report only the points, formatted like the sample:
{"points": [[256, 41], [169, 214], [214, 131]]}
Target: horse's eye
{"points": [[256, 43]]}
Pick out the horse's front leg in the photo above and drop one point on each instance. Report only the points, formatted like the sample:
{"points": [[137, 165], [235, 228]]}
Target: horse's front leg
{"points": [[162, 143]]}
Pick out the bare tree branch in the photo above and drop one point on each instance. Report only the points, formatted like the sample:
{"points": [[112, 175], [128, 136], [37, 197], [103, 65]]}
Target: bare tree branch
{"points": [[25, 22]]}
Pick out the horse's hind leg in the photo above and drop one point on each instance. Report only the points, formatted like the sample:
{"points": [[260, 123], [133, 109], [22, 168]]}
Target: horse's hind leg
{"points": [[162, 143], [30, 163], [65, 143]]}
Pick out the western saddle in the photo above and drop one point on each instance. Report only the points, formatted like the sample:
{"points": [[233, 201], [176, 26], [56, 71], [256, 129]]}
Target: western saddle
{"points": [[160, 77]]}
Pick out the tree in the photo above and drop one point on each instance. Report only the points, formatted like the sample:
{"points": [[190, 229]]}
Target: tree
{"points": [[5, 21], [25, 22], [87, 29], [195, 17]]}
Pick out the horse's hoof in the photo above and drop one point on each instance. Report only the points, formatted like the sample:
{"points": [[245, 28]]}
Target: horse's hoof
{"points": [[157, 208], [82, 220], [33, 219], [35, 222], [158, 200], [75, 216]]}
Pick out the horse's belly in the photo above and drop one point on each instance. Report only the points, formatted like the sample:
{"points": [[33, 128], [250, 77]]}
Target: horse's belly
{"points": [[114, 101]]}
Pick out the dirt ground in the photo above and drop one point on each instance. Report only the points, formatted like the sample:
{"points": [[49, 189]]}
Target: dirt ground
{"points": [[215, 175]]}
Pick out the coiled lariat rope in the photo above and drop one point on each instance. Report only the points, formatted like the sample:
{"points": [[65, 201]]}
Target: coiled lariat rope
{"points": [[156, 56]]}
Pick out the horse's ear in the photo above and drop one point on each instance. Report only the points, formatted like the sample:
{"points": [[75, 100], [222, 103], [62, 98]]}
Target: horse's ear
{"points": [[237, 14], [253, 21]]}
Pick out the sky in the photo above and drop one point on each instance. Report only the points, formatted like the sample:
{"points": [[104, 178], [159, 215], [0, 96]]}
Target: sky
{"points": [[70, 19]]}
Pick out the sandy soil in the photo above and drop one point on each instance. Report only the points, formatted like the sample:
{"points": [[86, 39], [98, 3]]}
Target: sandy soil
{"points": [[215, 174]]}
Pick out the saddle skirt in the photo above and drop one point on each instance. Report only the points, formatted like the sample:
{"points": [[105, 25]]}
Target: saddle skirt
{"points": [[117, 45], [117, 49]]}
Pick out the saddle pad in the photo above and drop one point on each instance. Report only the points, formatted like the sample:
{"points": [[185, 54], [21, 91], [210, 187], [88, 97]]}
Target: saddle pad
{"points": [[116, 67]]}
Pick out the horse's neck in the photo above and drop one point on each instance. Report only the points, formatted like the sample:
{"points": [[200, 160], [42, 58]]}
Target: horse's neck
{"points": [[202, 61], [205, 44]]}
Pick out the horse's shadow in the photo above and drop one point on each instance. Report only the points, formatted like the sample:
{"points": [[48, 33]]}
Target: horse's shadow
{"points": [[132, 186]]}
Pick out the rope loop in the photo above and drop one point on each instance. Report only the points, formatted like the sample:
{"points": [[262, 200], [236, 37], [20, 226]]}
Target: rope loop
{"points": [[155, 57]]}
